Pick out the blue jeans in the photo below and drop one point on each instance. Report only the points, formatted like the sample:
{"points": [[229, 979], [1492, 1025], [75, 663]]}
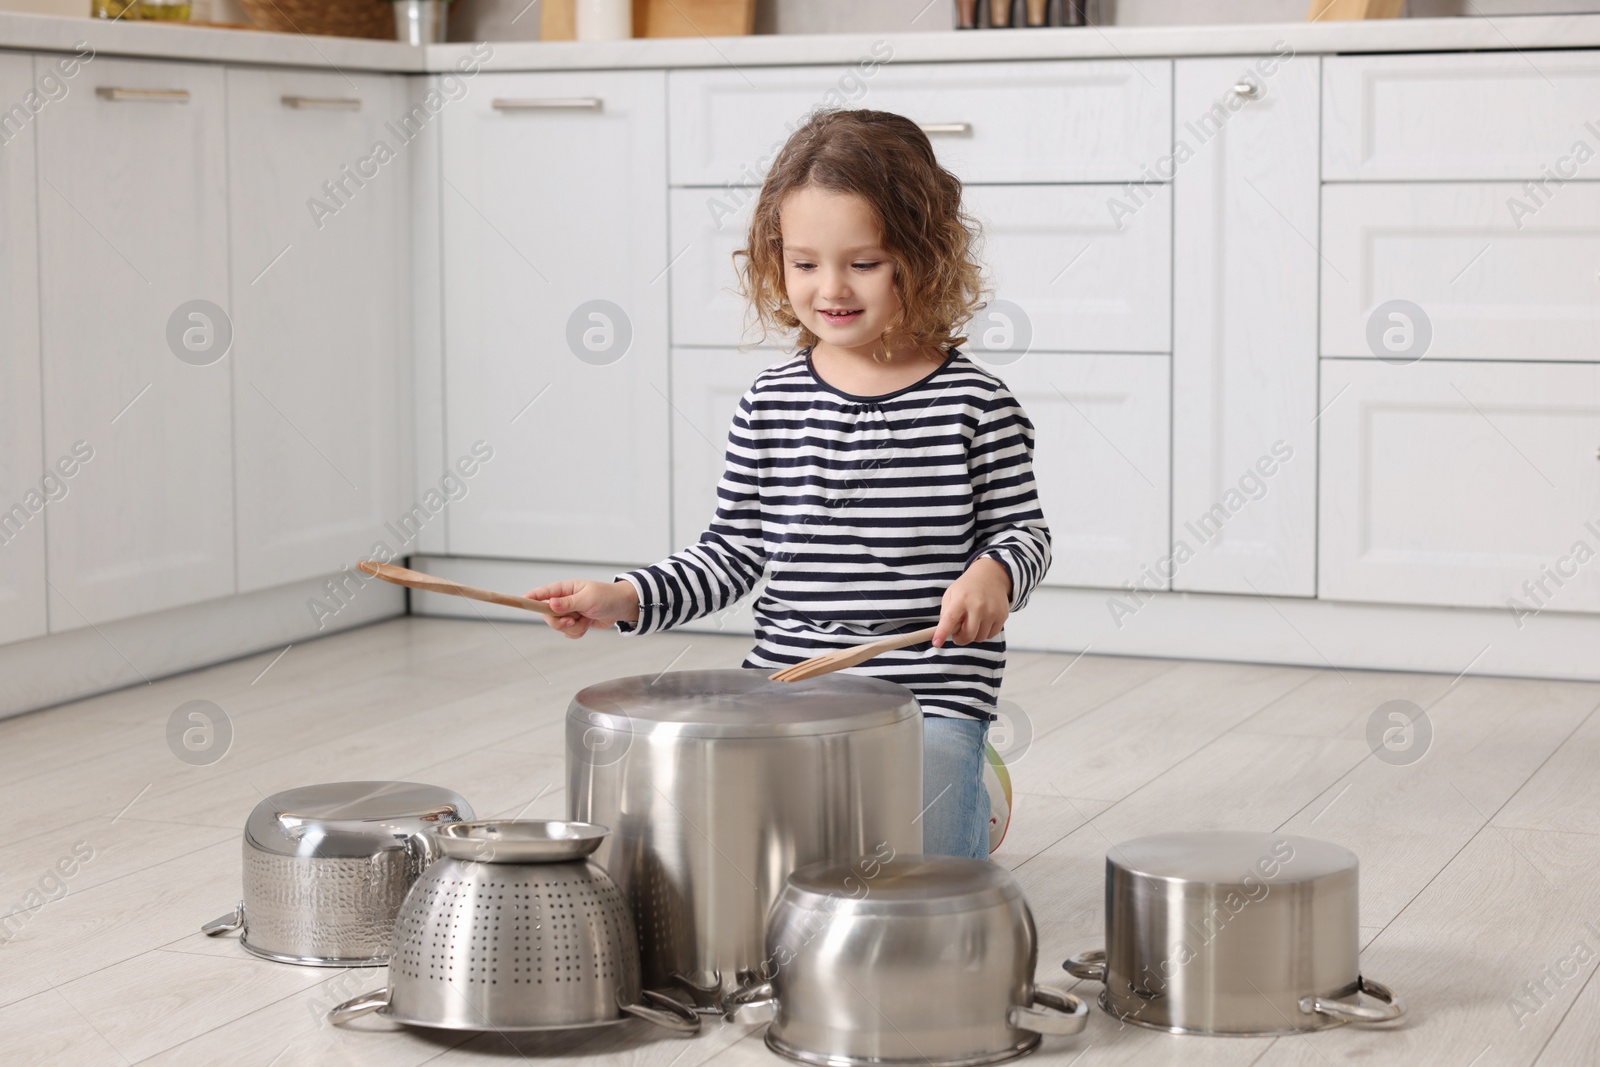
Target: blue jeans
{"points": [[955, 819]]}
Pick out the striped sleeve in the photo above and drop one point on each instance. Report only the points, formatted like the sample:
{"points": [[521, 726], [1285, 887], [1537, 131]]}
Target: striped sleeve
{"points": [[1010, 522], [728, 559]]}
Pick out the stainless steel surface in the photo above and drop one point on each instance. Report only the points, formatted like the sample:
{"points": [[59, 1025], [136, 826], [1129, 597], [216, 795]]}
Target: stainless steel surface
{"points": [[420, 22], [519, 840], [577, 103], [322, 103], [914, 959], [483, 945], [326, 868], [1227, 932], [149, 96], [717, 784]]}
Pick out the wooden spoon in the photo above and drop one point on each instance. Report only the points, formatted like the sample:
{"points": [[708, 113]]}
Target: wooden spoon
{"points": [[840, 658], [417, 580]]}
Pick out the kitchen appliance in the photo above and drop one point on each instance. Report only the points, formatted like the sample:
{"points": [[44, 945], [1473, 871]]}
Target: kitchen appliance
{"points": [[1230, 932], [718, 783], [326, 868], [902, 960], [514, 928]]}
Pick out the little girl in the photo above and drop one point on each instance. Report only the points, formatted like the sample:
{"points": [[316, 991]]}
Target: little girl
{"points": [[879, 477]]}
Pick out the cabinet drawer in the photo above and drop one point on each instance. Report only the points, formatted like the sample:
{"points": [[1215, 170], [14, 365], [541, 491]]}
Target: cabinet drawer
{"points": [[1076, 280], [1101, 431], [1052, 121], [1083, 279], [1488, 115], [1488, 285], [1456, 483]]}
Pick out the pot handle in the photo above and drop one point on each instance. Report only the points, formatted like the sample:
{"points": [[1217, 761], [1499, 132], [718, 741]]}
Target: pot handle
{"points": [[747, 1003], [677, 1016], [1392, 1008], [226, 923], [1090, 966], [1068, 1014], [376, 1000]]}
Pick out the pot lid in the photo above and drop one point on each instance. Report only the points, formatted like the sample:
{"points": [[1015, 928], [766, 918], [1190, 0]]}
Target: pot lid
{"points": [[739, 703], [1226, 857], [905, 885], [343, 820]]}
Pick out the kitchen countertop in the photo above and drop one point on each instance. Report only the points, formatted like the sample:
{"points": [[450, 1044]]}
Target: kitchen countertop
{"points": [[47, 33]]}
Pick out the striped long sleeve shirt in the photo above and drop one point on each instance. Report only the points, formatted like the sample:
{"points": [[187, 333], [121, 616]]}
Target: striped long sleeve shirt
{"points": [[861, 511]]}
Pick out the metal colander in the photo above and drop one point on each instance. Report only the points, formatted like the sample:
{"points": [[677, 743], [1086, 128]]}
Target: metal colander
{"points": [[514, 929]]}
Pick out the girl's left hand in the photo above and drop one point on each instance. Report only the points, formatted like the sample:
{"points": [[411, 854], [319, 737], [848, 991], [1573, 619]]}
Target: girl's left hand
{"points": [[975, 606]]}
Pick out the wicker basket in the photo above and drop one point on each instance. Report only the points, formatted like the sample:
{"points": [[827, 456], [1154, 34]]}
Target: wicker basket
{"points": [[336, 18]]}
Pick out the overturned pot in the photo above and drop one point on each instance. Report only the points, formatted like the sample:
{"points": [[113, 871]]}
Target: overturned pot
{"points": [[327, 866], [1234, 933], [900, 960]]}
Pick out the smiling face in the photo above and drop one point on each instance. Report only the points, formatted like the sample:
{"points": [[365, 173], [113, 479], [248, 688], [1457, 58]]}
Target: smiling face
{"points": [[839, 279]]}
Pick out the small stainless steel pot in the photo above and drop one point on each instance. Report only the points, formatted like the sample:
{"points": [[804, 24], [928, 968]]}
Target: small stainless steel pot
{"points": [[326, 868], [910, 959], [1237, 933], [718, 783]]}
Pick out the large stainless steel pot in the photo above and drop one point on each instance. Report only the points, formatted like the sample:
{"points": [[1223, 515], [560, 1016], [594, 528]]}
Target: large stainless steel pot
{"points": [[907, 959], [718, 783], [515, 929], [326, 868], [1238, 933]]}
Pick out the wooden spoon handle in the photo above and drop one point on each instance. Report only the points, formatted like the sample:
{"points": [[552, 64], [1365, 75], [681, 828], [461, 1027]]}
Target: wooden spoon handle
{"points": [[862, 653], [428, 582]]}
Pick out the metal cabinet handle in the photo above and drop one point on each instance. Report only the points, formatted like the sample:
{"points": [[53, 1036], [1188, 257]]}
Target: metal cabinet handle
{"points": [[575, 103], [322, 103], [1067, 1015], [960, 129], [1392, 1008], [154, 96], [1246, 89]]}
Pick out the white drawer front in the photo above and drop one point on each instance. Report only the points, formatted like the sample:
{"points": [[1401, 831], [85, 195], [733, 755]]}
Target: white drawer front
{"points": [[1086, 281], [1101, 432], [1488, 115], [1054, 252], [1054, 121], [1457, 483], [707, 226], [1489, 286]]}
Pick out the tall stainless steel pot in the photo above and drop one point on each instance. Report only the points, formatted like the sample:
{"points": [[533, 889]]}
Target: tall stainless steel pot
{"points": [[718, 783]]}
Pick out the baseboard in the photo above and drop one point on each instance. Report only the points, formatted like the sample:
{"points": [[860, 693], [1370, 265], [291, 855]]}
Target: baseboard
{"points": [[1250, 629], [88, 660]]}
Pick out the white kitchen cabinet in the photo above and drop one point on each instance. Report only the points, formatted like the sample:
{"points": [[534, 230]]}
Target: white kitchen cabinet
{"points": [[1244, 343], [1482, 283], [1025, 121], [1084, 278], [706, 386], [1455, 483], [319, 217], [133, 228], [25, 493], [1101, 461], [1458, 116], [555, 312], [708, 225]]}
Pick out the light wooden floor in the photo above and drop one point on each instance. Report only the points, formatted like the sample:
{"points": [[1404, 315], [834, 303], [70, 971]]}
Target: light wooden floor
{"points": [[1480, 862]]}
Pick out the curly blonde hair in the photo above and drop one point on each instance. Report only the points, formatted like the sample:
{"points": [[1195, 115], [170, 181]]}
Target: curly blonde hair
{"points": [[886, 160]]}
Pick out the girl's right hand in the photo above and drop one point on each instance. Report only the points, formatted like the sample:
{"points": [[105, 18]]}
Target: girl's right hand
{"points": [[587, 605]]}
